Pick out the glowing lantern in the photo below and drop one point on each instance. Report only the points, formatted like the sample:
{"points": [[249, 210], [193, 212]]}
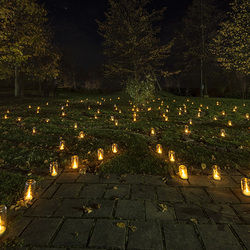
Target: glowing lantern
{"points": [[114, 148], [81, 134], [62, 108], [29, 190], [164, 115], [62, 145], [223, 113], [112, 118], [215, 118], [187, 100], [190, 121], [5, 116], [199, 109], [88, 107], [95, 116], [173, 100], [171, 155], [116, 122], [179, 112], [159, 107], [183, 172], [222, 133], [159, 148], [207, 107], [217, 103], [166, 118], [75, 126], [98, 111], [63, 114], [47, 120], [67, 104], [54, 169], [234, 109], [47, 104], [38, 107], [167, 110], [186, 130], [100, 154], [244, 105], [33, 130], [38, 111], [185, 110], [201, 105], [247, 115], [29, 107], [137, 109], [116, 108], [120, 111], [19, 119], [152, 132], [245, 186], [134, 119], [199, 114], [216, 173], [3, 219], [74, 161], [67, 100], [229, 123]]}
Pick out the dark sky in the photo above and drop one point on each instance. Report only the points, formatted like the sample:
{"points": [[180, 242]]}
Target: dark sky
{"points": [[75, 29]]}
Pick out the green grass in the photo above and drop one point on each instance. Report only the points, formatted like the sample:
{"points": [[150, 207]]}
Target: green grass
{"points": [[22, 152]]}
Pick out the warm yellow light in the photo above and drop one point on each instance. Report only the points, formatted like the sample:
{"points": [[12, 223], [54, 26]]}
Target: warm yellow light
{"points": [[199, 114], [19, 119], [75, 126], [28, 196], [29, 107], [63, 114], [2, 227], [81, 134], [215, 118], [38, 107], [152, 131], [38, 111], [217, 103], [223, 112], [88, 107], [134, 119], [186, 130], [183, 172], [62, 145], [190, 121], [199, 109], [207, 107], [98, 111], [179, 112], [96, 117], [74, 162], [47, 104], [229, 123], [171, 155], [100, 154], [247, 115], [67, 104], [62, 108], [166, 118], [245, 186], [54, 169], [222, 133], [120, 111], [34, 130], [112, 118], [47, 120], [159, 148], [114, 148], [5, 116], [116, 122], [216, 173]]}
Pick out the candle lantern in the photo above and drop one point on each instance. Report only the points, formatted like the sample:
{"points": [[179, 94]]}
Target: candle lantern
{"points": [[186, 130], [100, 154], [54, 169], [215, 118], [67, 104], [3, 219], [29, 189], [159, 148], [38, 111], [223, 112], [247, 115], [47, 104], [62, 145], [179, 112], [98, 111], [183, 172], [63, 114], [114, 148], [116, 108], [222, 133], [5, 116], [164, 115], [19, 119], [116, 122], [88, 107], [95, 116], [245, 186], [217, 103], [199, 114], [171, 155], [75, 125], [81, 134], [190, 121], [134, 119], [33, 130], [47, 120], [112, 118], [38, 107], [120, 111], [152, 133], [207, 107], [29, 107], [166, 118], [216, 173], [229, 123], [199, 109], [74, 161], [62, 108]]}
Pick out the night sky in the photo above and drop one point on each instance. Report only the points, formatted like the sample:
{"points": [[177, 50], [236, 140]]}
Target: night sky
{"points": [[75, 29]]}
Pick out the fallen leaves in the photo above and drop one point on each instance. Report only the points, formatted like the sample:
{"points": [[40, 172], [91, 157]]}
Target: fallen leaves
{"points": [[89, 209], [123, 225], [163, 207], [21, 203]]}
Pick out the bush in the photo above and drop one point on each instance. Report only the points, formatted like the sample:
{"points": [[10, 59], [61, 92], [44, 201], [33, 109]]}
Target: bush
{"points": [[141, 91]]}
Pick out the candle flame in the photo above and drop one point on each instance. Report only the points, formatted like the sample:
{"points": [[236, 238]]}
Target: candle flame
{"points": [[29, 194]]}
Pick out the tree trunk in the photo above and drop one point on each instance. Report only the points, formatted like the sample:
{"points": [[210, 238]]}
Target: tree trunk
{"points": [[17, 85]]}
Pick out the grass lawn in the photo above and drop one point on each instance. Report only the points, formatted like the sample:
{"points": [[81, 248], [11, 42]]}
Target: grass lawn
{"points": [[25, 155]]}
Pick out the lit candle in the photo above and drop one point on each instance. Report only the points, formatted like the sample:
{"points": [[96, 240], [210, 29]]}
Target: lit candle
{"points": [[120, 111], [54, 169], [34, 130], [199, 114], [223, 112], [5, 116], [74, 161], [215, 118], [229, 123], [29, 190], [186, 129], [216, 173], [112, 118], [100, 154], [3, 219], [98, 111], [38, 111], [183, 172], [245, 187], [179, 112], [247, 115], [159, 148], [47, 120], [116, 122], [75, 126], [190, 121], [171, 155], [134, 118], [114, 148], [96, 117], [7, 111], [217, 103], [81, 134], [62, 145], [222, 133], [29, 107], [62, 108], [19, 119], [152, 132], [63, 113], [166, 118], [67, 104], [88, 107]]}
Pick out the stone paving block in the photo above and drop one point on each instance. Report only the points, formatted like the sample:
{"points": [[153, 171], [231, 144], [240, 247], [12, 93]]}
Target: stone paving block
{"points": [[43, 185], [143, 192], [222, 195], [117, 191], [74, 232], [240, 195], [221, 213], [130, 209], [105, 210], [154, 212], [70, 208], [50, 191], [107, 234], [187, 211], [226, 181], [94, 191], [68, 190], [40, 231], [110, 178], [244, 172], [243, 231], [218, 237], [43, 207], [195, 195], [232, 172], [17, 228], [180, 236], [154, 180], [200, 181], [171, 194], [88, 178], [132, 179], [243, 211], [48, 248], [177, 181], [67, 177], [146, 236], [237, 179]]}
